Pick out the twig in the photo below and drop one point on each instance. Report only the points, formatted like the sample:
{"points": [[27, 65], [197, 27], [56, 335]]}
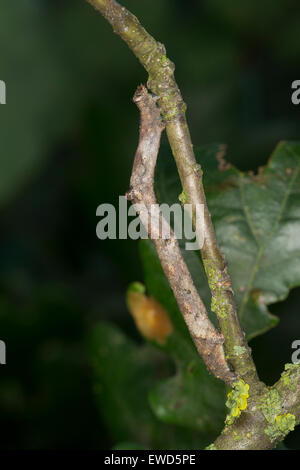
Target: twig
{"points": [[273, 412], [208, 341], [161, 82]]}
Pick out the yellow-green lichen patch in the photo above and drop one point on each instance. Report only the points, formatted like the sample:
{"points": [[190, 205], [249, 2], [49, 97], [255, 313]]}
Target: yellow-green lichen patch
{"points": [[213, 273], [286, 422], [211, 447], [239, 350], [219, 284], [289, 366], [286, 379], [279, 423], [237, 400], [182, 198], [164, 60], [236, 436], [218, 306], [282, 425], [285, 376], [271, 405]]}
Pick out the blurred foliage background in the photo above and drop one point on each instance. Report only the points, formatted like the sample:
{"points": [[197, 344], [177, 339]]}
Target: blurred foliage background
{"points": [[68, 135]]}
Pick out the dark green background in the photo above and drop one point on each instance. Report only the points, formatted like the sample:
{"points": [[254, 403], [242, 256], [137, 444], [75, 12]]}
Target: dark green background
{"points": [[68, 134]]}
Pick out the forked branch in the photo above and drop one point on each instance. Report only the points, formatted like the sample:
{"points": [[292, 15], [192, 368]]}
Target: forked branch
{"points": [[271, 412], [161, 82], [208, 341]]}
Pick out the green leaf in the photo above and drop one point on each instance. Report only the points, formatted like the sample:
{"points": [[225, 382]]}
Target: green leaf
{"points": [[191, 398], [124, 375], [257, 221]]}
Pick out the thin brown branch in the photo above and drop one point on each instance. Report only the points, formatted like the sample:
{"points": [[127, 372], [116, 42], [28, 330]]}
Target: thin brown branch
{"points": [[208, 341]]}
